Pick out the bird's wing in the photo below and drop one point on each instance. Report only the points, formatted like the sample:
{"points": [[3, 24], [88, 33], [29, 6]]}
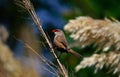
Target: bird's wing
{"points": [[64, 42], [60, 41], [59, 44]]}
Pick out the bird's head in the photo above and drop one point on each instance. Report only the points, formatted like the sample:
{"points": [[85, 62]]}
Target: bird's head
{"points": [[57, 31]]}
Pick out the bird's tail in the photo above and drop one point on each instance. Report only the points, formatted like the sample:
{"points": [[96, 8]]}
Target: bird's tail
{"points": [[74, 53]]}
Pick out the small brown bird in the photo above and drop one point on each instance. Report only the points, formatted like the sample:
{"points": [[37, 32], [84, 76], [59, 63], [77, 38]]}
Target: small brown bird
{"points": [[61, 43]]}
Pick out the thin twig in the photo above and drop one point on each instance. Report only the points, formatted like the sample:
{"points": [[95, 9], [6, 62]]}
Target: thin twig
{"points": [[28, 46], [39, 56], [30, 9]]}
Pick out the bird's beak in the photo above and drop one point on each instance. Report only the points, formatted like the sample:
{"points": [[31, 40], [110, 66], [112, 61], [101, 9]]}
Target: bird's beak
{"points": [[53, 30]]}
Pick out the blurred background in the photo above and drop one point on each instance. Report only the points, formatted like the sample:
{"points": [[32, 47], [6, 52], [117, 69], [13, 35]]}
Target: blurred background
{"points": [[53, 14]]}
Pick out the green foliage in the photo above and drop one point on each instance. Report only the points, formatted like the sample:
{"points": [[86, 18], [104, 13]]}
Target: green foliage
{"points": [[97, 8]]}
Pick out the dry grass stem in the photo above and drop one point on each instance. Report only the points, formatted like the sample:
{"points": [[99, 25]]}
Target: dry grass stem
{"points": [[28, 6], [46, 62]]}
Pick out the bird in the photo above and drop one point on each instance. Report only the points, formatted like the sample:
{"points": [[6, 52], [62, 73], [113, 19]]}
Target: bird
{"points": [[60, 43]]}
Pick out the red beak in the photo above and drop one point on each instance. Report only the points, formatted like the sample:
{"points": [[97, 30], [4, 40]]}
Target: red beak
{"points": [[54, 30]]}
